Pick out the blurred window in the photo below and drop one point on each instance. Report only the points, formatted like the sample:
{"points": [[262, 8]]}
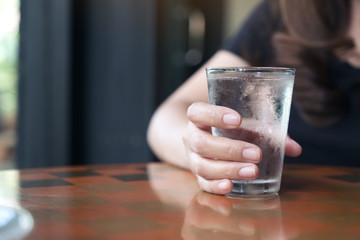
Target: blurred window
{"points": [[9, 41]]}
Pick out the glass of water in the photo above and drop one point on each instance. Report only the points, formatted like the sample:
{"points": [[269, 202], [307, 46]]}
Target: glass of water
{"points": [[262, 96]]}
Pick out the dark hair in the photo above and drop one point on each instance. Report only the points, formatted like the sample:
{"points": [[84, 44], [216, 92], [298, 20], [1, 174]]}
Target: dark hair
{"points": [[312, 34]]}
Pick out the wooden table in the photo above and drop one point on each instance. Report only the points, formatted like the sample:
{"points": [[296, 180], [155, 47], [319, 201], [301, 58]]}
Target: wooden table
{"points": [[158, 201]]}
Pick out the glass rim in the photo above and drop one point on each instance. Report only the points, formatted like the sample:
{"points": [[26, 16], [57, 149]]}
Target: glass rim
{"points": [[250, 69]]}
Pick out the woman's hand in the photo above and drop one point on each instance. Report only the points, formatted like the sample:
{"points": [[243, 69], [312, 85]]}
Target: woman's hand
{"points": [[216, 160]]}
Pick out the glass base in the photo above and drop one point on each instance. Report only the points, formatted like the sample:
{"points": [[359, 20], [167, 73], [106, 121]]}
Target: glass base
{"points": [[255, 189], [252, 197]]}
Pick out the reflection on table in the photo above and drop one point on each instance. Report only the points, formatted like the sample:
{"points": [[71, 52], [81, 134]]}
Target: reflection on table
{"points": [[158, 201]]}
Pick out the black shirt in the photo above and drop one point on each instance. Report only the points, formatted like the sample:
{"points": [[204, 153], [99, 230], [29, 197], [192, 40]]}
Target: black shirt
{"points": [[338, 144]]}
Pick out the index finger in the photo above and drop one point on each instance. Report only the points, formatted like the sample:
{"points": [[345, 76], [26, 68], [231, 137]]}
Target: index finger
{"points": [[205, 114]]}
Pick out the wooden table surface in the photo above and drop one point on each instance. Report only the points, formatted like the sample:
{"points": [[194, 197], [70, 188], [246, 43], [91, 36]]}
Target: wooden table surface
{"points": [[158, 201]]}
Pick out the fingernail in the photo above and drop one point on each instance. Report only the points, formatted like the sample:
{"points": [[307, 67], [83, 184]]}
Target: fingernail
{"points": [[231, 119], [251, 154], [248, 172]]}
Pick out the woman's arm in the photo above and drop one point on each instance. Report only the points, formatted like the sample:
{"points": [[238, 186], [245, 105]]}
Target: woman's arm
{"points": [[179, 133], [170, 121]]}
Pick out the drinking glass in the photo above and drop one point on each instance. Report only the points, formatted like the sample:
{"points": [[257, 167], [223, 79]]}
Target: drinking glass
{"points": [[262, 96]]}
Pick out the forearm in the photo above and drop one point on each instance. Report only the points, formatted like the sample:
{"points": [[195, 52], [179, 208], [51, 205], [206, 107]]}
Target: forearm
{"points": [[165, 131], [169, 122]]}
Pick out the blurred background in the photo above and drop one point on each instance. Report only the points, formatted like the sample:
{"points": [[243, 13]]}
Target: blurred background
{"points": [[79, 79]]}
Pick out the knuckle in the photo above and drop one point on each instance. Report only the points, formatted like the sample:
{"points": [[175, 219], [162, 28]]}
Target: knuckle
{"points": [[195, 165], [231, 150], [214, 116], [201, 182], [191, 111], [212, 187], [205, 185], [213, 113], [201, 171], [186, 135], [197, 143], [229, 172], [184, 140]]}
